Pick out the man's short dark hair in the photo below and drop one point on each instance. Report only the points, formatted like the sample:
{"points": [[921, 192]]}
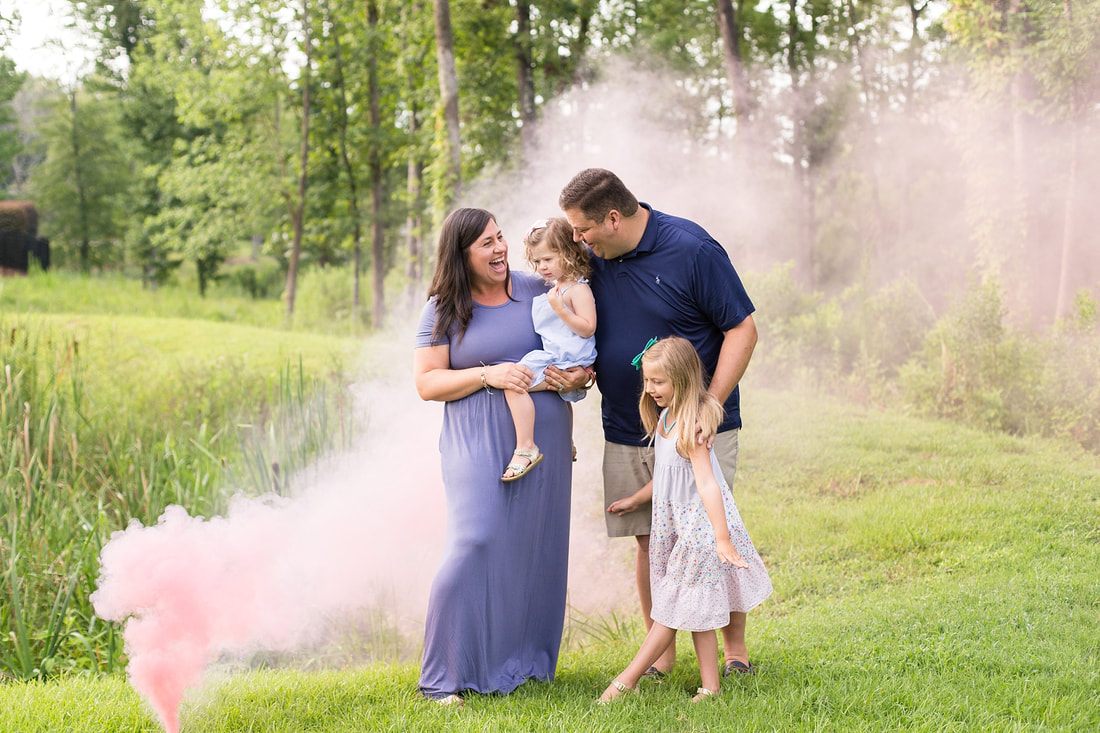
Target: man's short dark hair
{"points": [[595, 192]]}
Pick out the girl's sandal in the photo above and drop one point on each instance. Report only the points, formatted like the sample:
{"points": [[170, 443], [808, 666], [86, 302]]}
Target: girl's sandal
{"points": [[622, 690], [703, 693], [519, 470]]}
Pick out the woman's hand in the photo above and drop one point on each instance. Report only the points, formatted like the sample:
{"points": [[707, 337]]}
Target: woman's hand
{"points": [[511, 376], [728, 554]]}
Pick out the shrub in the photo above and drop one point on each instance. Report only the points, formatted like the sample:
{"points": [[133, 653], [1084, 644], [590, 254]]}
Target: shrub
{"points": [[261, 280], [857, 340], [973, 369], [324, 300], [1068, 389]]}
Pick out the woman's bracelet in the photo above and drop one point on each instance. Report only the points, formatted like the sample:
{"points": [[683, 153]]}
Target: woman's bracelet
{"points": [[484, 382]]}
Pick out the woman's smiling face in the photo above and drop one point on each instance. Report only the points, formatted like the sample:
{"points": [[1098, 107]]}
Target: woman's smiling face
{"points": [[487, 258]]}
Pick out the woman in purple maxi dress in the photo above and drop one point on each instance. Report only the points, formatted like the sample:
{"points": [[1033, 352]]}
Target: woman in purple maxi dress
{"points": [[497, 604]]}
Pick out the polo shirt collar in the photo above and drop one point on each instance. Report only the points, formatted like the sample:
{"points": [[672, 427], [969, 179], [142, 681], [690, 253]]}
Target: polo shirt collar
{"points": [[649, 236]]}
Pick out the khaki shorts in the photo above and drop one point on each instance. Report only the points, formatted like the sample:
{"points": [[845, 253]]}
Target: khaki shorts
{"points": [[627, 468]]}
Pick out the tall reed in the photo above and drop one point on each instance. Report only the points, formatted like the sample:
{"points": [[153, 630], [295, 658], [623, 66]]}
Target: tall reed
{"points": [[73, 470]]}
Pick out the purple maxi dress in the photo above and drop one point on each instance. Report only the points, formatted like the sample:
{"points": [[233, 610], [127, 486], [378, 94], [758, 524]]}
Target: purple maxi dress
{"points": [[497, 603]]}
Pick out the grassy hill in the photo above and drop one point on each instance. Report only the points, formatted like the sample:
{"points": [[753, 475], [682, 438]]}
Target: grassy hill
{"points": [[926, 577]]}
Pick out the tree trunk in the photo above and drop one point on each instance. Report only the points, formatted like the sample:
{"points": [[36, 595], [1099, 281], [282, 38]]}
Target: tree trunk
{"points": [[414, 236], [1026, 235], [345, 160], [81, 189], [1069, 232], [735, 65], [525, 79], [912, 53], [298, 210], [378, 255], [799, 155], [448, 92], [414, 265], [579, 45], [867, 132]]}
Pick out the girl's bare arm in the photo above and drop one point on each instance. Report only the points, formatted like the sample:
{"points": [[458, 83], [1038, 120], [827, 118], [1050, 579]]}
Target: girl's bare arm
{"points": [[711, 494]]}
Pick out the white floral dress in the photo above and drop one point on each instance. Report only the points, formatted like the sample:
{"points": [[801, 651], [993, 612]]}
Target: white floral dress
{"points": [[692, 589]]}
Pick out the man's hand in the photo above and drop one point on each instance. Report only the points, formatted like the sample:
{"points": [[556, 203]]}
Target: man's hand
{"points": [[565, 380]]}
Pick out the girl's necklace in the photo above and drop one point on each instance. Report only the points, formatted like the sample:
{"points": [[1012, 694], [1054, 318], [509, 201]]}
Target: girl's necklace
{"points": [[664, 421]]}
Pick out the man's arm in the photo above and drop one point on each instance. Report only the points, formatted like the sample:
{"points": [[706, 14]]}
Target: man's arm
{"points": [[733, 359]]}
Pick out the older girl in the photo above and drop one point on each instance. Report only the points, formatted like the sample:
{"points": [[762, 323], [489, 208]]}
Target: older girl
{"points": [[703, 566]]}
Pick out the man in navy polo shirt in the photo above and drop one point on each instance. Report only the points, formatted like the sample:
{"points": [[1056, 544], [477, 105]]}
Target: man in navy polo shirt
{"points": [[655, 275]]}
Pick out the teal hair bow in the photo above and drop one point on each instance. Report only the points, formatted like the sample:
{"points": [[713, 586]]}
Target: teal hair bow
{"points": [[637, 360]]}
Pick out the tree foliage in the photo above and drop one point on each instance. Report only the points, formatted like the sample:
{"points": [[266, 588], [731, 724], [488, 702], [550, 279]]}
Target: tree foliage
{"points": [[82, 187], [845, 108], [10, 144]]}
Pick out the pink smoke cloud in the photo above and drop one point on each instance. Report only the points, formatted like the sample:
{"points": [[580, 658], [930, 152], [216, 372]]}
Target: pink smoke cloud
{"points": [[360, 527], [273, 569]]}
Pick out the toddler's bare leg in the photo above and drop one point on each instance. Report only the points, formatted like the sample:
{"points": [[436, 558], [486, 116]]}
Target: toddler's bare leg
{"points": [[523, 416]]}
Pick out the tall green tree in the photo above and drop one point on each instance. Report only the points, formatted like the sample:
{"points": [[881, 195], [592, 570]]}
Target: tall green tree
{"points": [[342, 101], [82, 187], [1037, 64], [415, 101], [298, 205], [451, 141], [10, 144], [124, 31]]}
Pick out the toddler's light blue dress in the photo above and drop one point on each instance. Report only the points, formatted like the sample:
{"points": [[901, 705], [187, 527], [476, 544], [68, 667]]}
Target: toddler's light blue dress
{"points": [[561, 347]]}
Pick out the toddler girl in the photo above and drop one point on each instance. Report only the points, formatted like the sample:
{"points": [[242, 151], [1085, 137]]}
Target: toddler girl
{"points": [[565, 317]]}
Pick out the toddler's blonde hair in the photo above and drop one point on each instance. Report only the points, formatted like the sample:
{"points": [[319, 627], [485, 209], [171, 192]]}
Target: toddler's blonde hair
{"points": [[558, 234]]}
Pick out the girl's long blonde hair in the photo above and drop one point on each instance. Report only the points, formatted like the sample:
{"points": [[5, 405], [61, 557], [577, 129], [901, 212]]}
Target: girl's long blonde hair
{"points": [[691, 405]]}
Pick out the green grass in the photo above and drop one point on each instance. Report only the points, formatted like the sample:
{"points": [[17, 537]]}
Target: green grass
{"points": [[927, 578], [115, 294], [322, 305], [184, 371]]}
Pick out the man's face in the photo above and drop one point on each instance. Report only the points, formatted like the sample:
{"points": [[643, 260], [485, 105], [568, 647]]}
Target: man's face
{"points": [[596, 234]]}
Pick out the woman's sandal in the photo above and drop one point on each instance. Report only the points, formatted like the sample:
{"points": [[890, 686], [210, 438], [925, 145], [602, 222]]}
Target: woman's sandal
{"points": [[623, 689], [519, 470], [449, 700], [703, 693]]}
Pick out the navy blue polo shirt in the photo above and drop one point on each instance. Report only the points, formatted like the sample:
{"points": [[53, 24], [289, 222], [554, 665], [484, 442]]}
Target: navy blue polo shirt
{"points": [[677, 281]]}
